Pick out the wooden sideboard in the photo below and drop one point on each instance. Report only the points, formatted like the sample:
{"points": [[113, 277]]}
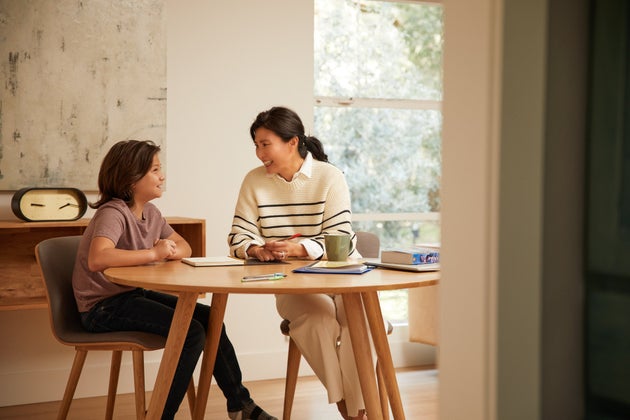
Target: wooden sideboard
{"points": [[21, 285]]}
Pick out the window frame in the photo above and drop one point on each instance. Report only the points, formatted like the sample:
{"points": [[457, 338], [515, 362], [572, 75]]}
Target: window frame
{"points": [[379, 103]]}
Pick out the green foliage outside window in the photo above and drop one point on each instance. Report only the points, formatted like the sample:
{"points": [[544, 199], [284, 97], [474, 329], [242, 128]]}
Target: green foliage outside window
{"points": [[375, 49]]}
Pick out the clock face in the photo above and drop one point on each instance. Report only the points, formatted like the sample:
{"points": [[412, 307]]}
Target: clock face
{"points": [[36, 204]]}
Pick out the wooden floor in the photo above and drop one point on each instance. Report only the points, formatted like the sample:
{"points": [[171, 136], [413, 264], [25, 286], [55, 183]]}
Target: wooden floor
{"points": [[418, 388]]}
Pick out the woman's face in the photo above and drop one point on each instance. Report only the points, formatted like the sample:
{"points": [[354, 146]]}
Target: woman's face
{"points": [[279, 157], [150, 185]]}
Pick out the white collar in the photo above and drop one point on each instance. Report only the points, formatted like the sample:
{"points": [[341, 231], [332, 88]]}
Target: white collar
{"points": [[307, 166], [306, 169]]}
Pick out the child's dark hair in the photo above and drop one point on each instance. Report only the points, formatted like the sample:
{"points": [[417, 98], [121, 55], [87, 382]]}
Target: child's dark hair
{"points": [[124, 164], [287, 124]]}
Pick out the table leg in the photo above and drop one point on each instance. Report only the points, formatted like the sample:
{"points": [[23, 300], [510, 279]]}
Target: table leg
{"points": [[362, 354], [215, 323], [381, 345], [173, 349]]}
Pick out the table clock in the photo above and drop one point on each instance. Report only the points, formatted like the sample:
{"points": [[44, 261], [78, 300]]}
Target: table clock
{"points": [[35, 204]]}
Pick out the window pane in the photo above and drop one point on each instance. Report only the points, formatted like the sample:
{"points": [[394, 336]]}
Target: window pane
{"points": [[401, 233], [391, 157], [372, 49], [394, 306], [396, 234]]}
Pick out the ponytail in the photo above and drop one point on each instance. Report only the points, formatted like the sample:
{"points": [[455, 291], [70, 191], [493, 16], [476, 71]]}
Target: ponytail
{"points": [[287, 125], [313, 145]]}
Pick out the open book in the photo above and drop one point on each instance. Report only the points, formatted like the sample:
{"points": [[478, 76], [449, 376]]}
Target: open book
{"points": [[334, 267]]}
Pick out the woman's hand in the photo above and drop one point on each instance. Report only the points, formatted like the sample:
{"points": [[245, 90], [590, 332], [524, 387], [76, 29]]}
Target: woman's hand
{"points": [[277, 250], [260, 253]]}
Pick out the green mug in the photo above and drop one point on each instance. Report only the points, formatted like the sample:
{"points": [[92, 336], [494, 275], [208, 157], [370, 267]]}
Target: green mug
{"points": [[337, 246]]}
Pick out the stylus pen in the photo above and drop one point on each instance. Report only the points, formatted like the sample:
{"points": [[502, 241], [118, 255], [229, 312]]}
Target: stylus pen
{"points": [[273, 276]]}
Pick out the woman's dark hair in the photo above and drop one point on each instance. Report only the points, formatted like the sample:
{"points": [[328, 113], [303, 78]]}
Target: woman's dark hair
{"points": [[287, 124], [124, 165]]}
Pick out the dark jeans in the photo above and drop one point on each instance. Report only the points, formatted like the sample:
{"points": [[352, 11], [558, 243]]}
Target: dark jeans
{"points": [[149, 311]]}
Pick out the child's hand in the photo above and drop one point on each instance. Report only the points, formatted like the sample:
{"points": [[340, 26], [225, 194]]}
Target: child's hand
{"points": [[164, 248]]}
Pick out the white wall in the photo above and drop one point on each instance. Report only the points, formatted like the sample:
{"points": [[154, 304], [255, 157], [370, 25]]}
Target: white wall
{"points": [[469, 209], [227, 61], [512, 195]]}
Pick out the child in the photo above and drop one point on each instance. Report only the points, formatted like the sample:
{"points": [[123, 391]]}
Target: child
{"points": [[129, 230]]}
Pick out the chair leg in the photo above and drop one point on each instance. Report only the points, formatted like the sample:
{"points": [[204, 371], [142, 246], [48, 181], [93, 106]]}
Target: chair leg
{"points": [[114, 373], [71, 386], [191, 395], [293, 366], [138, 383], [382, 392]]}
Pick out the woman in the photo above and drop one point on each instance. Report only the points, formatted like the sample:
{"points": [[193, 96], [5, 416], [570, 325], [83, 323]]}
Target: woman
{"points": [[129, 230], [296, 191]]}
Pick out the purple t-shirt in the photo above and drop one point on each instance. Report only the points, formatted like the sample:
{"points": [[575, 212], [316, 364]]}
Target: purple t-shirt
{"points": [[115, 221]]}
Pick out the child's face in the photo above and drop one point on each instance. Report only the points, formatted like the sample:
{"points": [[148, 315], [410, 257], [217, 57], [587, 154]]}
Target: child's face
{"points": [[150, 185]]}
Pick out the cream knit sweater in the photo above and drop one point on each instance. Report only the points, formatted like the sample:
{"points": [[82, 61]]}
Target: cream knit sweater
{"points": [[270, 208]]}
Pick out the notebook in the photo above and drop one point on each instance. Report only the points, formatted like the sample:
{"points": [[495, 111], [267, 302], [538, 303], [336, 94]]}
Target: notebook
{"points": [[376, 262], [212, 261]]}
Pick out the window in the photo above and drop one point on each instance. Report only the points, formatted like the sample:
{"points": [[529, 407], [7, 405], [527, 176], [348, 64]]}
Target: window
{"points": [[378, 92]]}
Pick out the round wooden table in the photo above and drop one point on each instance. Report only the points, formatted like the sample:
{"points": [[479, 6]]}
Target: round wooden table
{"points": [[359, 293]]}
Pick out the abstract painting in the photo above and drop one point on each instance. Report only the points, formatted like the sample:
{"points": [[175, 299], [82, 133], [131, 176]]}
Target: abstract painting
{"points": [[78, 76]]}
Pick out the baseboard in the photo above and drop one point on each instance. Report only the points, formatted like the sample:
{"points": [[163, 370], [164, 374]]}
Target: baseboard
{"points": [[27, 387], [261, 366]]}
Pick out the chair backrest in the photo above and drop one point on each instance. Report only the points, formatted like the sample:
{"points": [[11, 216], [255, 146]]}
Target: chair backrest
{"points": [[55, 257], [368, 244]]}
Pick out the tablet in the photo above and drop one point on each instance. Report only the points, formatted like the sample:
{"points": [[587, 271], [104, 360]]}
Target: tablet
{"points": [[376, 262]]}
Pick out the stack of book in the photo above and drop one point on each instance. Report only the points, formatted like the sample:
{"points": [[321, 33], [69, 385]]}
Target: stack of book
{"points": [[418, 258], [413, 256]]}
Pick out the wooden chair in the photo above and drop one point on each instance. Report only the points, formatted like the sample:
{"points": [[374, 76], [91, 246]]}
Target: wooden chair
{"points": [[55, 257], [368, 245]]}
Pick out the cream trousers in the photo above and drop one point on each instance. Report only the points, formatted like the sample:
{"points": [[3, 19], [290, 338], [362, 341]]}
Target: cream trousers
{"points": [[320, 330]]}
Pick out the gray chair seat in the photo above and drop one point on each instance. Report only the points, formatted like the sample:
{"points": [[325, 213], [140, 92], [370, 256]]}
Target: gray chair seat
{"points": [[55, 257]]}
